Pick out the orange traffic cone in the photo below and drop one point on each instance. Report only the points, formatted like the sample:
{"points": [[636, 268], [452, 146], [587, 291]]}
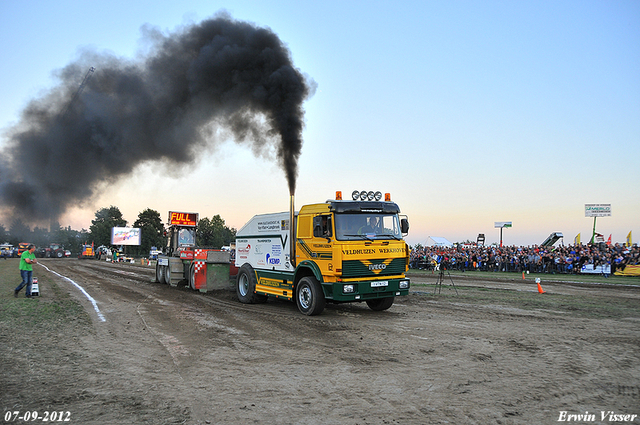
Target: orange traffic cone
{"points": [[522, 274], [539, 287]]}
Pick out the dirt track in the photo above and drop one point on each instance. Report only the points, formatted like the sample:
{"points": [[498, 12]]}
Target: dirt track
{"points": [[168, 355]]}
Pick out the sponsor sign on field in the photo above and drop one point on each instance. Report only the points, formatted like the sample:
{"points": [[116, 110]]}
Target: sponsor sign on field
{"points": [[597, 210]]}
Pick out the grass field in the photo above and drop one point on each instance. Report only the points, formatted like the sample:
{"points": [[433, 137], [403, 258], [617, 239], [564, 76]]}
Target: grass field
{"points": [[41, 312], [594, 307]]}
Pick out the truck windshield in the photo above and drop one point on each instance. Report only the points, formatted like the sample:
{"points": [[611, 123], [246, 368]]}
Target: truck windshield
{"points": [[367, 226], [187, 237]]}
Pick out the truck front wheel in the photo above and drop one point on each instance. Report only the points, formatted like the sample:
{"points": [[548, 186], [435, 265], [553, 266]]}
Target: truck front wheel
{"points": [[246, 286], [309, 296], [380, 304]]}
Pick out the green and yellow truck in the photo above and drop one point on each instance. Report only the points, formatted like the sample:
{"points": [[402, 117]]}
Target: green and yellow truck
{"points": [[337, 251]]}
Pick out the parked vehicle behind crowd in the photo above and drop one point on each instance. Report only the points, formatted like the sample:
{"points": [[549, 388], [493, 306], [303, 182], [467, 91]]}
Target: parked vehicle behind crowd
{"points": [[8, 251]]}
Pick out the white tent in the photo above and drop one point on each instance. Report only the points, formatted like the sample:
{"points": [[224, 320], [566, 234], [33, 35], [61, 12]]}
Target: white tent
{"points": [[438, 241]]}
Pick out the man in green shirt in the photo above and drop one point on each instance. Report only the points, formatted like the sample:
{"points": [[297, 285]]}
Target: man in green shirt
{"points": [[27, 259]]}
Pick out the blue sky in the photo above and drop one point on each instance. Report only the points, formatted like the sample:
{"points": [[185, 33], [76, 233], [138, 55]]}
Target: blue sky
{"points": [[467, 112]]}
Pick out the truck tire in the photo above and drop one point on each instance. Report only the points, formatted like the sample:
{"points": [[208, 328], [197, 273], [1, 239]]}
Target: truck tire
{"points": [[167, 274], [309, 296], [59, 254], [246, 286], [192, 276], [380, 304], [48, 254], [160, 273]]}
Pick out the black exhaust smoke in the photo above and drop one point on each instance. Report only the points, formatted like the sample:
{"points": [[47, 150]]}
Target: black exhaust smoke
{"points": [[217, 79]]}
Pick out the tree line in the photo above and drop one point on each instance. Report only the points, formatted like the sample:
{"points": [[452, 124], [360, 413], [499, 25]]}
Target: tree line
{"points": [[211, 232]]}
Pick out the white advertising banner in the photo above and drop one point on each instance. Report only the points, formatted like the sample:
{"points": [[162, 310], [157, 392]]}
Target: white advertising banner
{"points": [[499, 224], [125, 236], [597, 210]]}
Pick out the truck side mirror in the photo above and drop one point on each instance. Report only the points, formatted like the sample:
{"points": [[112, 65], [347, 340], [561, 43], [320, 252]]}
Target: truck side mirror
{"points": [[404, 225]]}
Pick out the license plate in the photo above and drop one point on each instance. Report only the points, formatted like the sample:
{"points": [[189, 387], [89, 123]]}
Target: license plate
{"points": [[379, 283]]}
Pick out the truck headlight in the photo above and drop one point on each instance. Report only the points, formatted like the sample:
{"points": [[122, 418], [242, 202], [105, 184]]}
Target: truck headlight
{"points": [[347, 289], [404, 284]]}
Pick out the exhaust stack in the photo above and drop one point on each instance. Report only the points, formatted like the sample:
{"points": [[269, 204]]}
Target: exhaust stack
{"points": [[292, 232]]}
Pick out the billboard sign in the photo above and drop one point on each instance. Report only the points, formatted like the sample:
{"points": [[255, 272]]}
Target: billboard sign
{"points": [[597, 210], [125, 236], [500, 224], [183, 219]]}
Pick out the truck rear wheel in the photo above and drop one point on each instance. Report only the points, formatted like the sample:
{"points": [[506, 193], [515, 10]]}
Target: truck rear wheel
{"points": [[380, 304], [309, 296], [246, 286], [167, 273], [160, 273]]}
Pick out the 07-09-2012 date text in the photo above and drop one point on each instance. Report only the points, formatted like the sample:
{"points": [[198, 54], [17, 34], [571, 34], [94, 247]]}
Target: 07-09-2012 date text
{"points": [[32, 416]]}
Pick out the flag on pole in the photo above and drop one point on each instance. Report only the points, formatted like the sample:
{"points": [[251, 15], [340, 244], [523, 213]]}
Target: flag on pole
{"points": [[609, 240], [576, 240], [629, 239]]}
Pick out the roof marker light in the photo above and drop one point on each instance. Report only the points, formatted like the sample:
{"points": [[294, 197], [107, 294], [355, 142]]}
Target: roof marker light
{"points": [[357, 195]]}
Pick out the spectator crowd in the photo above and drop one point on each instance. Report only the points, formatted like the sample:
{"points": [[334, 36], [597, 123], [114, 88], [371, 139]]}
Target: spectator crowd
{"points": [[534, 259]]}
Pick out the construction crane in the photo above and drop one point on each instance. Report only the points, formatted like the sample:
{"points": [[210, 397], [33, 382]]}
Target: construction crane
{"points": [[79, 91]]}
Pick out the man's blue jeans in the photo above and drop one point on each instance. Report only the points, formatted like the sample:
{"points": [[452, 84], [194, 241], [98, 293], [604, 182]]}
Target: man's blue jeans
{"points": [[27, 280]]}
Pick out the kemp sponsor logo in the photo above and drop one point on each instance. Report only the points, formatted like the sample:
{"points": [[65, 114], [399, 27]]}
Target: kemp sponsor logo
{"points": [[272, 261]]}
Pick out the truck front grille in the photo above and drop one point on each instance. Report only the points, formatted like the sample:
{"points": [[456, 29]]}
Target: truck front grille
{"points": [[373, 268]]}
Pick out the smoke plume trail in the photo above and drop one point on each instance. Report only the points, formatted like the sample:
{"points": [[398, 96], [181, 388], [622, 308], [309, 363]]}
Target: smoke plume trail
{"points": [[221, 75]]}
